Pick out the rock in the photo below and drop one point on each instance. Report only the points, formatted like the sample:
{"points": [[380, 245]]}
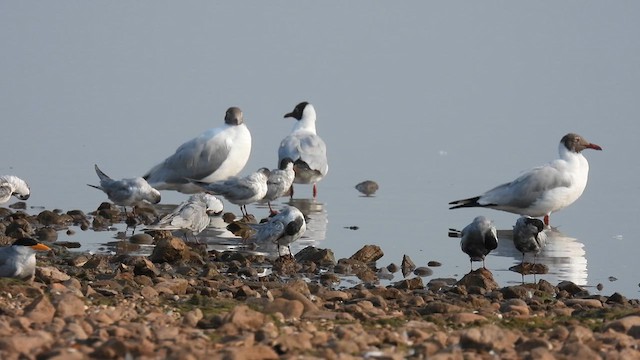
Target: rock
{"points": [[409, 284], [50, 274], [141, 239], [47, 234], [192, 317], [466, 318], [367, 187], [590, 303], [111, 349], [569, 287], [368, 254], [40, 310], [487, 338], [393, 268], [143, 266], [516, 306], [423, 271], [624, 324], [322, 257], [481, 278], [169, 251], [257, 352], [533, 343], [26, 344], [68, 305], [244, 318], [291, 309], [407, 265]]}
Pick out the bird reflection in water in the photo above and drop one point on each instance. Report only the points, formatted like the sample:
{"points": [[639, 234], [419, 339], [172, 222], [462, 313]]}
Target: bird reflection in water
{"points": [[219, 238], [563, 256]]}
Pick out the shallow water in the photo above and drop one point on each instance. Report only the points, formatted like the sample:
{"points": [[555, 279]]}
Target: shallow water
{"points": [[435, 102]]}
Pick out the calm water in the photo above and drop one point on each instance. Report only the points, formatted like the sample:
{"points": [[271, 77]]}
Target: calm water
{"points": [[435, 102]]}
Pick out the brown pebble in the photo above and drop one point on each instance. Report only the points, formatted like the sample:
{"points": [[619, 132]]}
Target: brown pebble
{"points": [[367, 187]]}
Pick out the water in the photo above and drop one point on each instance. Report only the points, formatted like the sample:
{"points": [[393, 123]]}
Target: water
{"points": [[435, 102]]}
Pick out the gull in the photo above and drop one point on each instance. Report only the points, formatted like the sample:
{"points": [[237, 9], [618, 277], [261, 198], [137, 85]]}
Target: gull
{"points": [[307, 150], [544, 189], [126, 192], [13, 185], [192, 215], [477, 239], [282, 229], [19, 259], [239, 190], [279, 182], [215, 155], [529, 236]]}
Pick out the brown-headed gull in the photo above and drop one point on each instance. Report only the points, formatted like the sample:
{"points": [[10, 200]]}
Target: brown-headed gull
{"points": [[303, 145], [279, 182], [19, 259], [126, 192], [239, 190], [192, 215], [529, 236], [215, 155], [544, 189], [11, 185], [282, 229], [478, 239]]}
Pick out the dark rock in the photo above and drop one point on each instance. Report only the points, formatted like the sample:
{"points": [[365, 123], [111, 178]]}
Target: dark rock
{"points": [[570, 287], [322, 257], [47, 234], [481, 278], [367, 187], [410, 284], [368, 254], [393, 268], [407, 265], [141, 238], [434, 263], [170, 251], [423, 271]]}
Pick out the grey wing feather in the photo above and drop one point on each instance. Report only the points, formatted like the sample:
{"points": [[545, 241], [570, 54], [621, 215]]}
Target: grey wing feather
{"points": [[527, 188], [268, 231], [195, 159], [309, 148], [5, 193]]}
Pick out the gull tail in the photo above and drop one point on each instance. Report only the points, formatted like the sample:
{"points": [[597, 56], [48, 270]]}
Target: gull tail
{"points": [[453, 233], [101, 175], [470, 202]]}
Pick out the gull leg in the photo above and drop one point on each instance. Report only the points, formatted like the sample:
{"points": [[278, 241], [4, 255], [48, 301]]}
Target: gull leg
{"points": [[546, 220], [315, 191]]}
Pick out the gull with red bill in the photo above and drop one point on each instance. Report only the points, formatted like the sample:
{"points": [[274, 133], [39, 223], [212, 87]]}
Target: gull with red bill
{"points": [[544, 189]]}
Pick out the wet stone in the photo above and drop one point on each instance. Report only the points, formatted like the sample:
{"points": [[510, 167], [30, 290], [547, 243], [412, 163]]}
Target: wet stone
{"points": [[407, 265], [47, 234], [423, 271], [368, 254]]}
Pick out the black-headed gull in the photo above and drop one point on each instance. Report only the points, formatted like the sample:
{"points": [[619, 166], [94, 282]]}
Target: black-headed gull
{"points": [[529, 236], [282, 229], [215, 155], [303, 145], [11, 185], [477, 239], [279, 182], [126, 192], [544, 189], [192, 215], [19, 259], [239, 190]]}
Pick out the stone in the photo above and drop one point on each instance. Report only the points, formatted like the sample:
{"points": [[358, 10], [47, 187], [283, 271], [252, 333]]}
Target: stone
{"points": [[422, 271], [47, 234], [144, 266], [244, 318], [481, 278], [624, 324], [368, 254], [169, 251], [589, 303], [322, 257], [68, 305], [50, 274], [40, 310], [291, 309], [407, 265], [487, 338], [466, 318], [410, 284]]}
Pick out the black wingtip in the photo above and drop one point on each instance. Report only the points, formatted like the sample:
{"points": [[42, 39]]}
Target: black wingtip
{"points": [[470, 202]]}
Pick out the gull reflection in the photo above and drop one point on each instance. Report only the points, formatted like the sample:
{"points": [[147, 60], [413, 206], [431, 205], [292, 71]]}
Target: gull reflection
{"points": [[562, 254]]}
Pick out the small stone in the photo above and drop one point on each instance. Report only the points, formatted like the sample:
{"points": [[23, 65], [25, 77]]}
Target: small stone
{"points": [[434, 263], [291, 309], [393, 268], [141, 239], [169, 251], [47, 234], [407, 265], [367, 187], [40, 310], [368, 254], [68, 305], [423, 271]]}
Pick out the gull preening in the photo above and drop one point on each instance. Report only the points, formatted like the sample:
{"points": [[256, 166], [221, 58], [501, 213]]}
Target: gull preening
{"points": [[215, 155], [544, 189], [11, 185], [279, 182], [127, 192], [192, 215], [477, 239], [303, 145], [282, 229], [18, 260], [529, 236], [239, 190]]}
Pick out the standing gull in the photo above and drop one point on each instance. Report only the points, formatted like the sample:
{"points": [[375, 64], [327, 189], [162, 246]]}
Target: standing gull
{"points": [[544, 189], [192, 215], [478, 239], [13, 186], [305, 147], [19, 259], [282, 229], [215, 155], [279, 182], [239, 191], [126, 192], [529, 236]]}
